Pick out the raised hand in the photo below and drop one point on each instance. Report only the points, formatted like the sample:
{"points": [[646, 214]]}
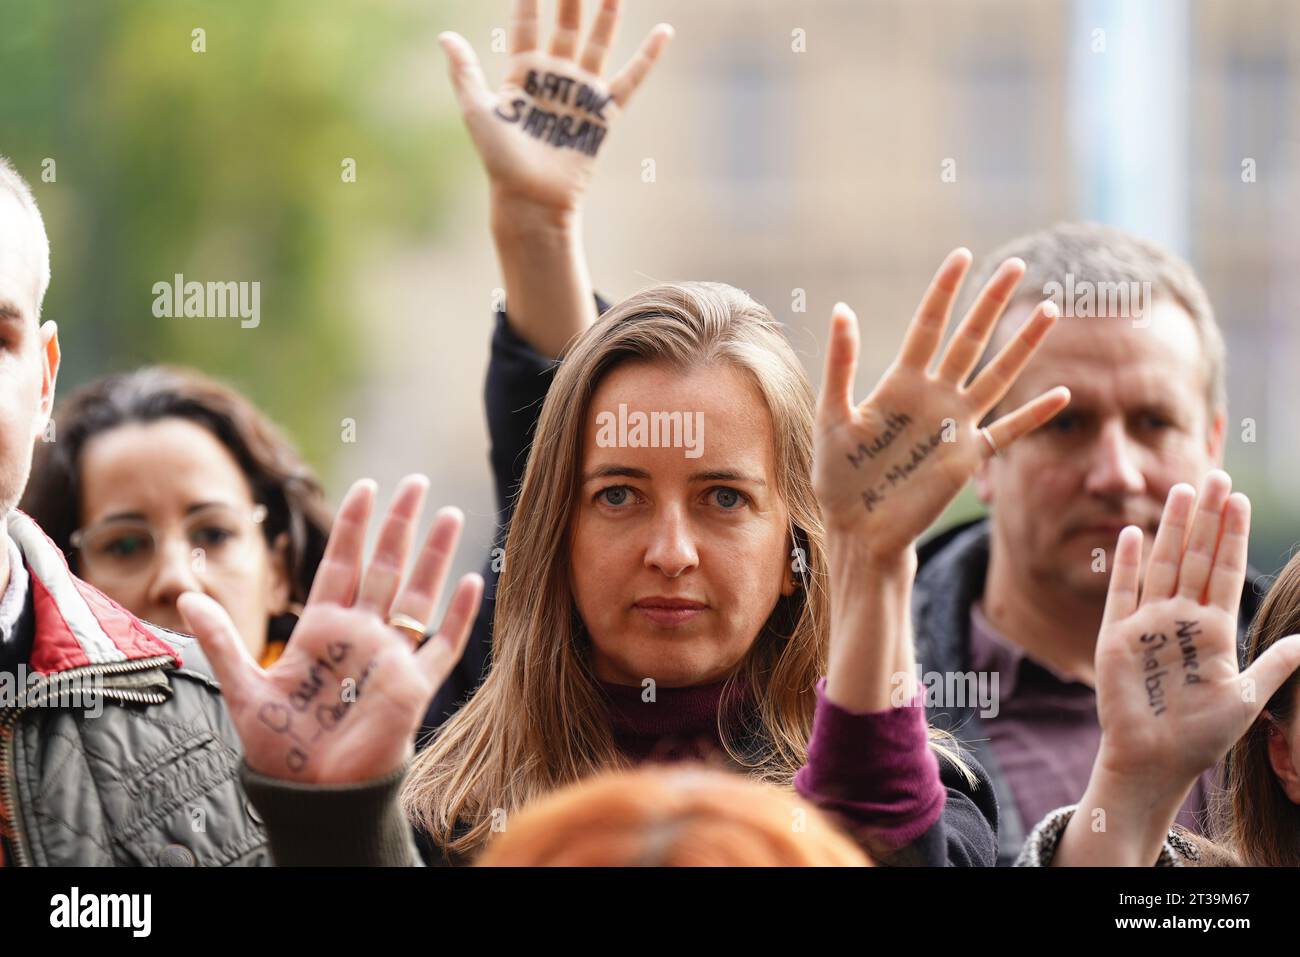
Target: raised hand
{"points": [[344, 701], [1170, 697], [887, 467], [539, 135]]}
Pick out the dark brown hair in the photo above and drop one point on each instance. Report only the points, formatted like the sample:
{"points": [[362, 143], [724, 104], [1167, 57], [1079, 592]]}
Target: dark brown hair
{"points": [[279, 479], [1252, 821]]}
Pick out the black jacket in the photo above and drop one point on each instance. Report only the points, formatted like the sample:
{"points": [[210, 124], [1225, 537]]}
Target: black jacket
{"points": [[950, 578], [518, 379]]}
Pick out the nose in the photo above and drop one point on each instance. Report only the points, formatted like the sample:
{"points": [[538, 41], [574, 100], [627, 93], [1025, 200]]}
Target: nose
{"points": [[672, 548], [1113, 463], [175, 572]]}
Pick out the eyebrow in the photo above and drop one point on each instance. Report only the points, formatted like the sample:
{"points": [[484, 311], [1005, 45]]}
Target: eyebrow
{"points": [[141, 517], [715, 475]]}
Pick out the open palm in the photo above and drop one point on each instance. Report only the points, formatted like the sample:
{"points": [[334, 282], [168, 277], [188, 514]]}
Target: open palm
{"points": [[539, 135], [887, 467], [1170, 697], [344, 701]]}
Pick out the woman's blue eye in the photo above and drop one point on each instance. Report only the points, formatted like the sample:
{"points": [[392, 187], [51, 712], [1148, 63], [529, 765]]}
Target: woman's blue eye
{"points": [[728, 498], [614, 495]]}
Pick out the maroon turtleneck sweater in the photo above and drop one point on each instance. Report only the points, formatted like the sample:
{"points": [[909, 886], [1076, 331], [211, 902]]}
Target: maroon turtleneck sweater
{"points": [[874, 772]]}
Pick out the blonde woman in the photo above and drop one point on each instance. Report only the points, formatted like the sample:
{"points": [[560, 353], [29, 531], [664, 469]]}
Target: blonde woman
{"points": [[633, 569]]}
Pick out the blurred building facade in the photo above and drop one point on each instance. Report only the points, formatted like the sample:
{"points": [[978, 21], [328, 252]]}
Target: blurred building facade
{"points": [[836, 150]]}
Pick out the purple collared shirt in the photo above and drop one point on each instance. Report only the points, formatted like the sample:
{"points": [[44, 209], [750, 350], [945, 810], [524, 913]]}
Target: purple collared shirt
{"points": [[1045, 735]]}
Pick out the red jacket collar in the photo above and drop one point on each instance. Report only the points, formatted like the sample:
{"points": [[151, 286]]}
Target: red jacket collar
{"points": [[76, 624]]}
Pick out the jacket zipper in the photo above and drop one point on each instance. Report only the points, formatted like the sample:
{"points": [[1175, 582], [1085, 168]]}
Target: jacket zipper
{"points": [[9, 723]]}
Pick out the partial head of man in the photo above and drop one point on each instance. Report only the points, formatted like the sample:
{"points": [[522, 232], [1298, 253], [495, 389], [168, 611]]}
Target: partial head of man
{"points": [[29, 350], [1138, 347]]}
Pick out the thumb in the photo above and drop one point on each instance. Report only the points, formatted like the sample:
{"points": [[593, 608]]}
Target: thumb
{"points": [[466, 74], [1268, 673], [229, 656]]}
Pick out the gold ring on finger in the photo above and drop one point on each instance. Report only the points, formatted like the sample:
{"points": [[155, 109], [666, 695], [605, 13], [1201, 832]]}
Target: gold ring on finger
{"points": [[416, 629]]}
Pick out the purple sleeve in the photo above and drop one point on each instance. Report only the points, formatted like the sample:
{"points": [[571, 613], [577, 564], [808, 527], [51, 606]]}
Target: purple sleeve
{"points": [[875, 772]]}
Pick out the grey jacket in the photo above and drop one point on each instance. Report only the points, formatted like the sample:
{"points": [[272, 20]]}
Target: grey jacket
{"points": [[1179, 850], [143, 768], [154, 779]]}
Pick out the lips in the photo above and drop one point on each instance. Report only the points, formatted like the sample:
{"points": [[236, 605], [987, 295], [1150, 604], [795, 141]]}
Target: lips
{"points": [[669, 612], [1109, 528]]}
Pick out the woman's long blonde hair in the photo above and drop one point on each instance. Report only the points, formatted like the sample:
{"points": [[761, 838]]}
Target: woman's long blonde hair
{"points": [[538, 722]]}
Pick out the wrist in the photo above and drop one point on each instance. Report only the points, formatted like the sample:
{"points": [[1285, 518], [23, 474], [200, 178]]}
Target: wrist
{"points": [[514, 217], [1123, 820], [850, 555]]}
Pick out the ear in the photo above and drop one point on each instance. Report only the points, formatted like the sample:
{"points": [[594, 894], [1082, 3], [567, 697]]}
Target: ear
{"points": [[791, 580], [984, 481], [50, 356], [1214, 442], [1279, 758], [280, 589]]}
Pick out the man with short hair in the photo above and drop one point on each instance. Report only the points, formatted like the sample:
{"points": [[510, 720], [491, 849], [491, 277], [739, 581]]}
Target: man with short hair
{"points": [[115, 746], [1020, 594]]}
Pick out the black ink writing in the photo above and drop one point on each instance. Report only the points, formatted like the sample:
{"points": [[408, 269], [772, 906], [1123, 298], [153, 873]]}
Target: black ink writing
{"points": [[900, 472], [561, 130], [564, 132], [556, 88], [920, 452], [274, 716], [516, 110], [307, 690], [1187, 630], [1154, 674], [894, 426]]}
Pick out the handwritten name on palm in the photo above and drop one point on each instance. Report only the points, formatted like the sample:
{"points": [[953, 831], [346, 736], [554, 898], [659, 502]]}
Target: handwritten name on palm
{"points": [[540, 133], [888, 466], [343, 703], [1170, 697]]}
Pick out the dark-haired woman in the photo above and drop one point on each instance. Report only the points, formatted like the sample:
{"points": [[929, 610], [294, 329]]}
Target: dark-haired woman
{"points": [[162, 481]]}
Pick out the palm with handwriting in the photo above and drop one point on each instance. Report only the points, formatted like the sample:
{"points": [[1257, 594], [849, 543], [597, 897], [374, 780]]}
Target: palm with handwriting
{"points": [[1170, 708], [522, 167], [886, 468], [344, 701]]}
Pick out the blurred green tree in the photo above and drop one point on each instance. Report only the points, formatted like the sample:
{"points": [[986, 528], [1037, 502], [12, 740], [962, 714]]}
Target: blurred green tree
{"points": [[225, 164]]}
